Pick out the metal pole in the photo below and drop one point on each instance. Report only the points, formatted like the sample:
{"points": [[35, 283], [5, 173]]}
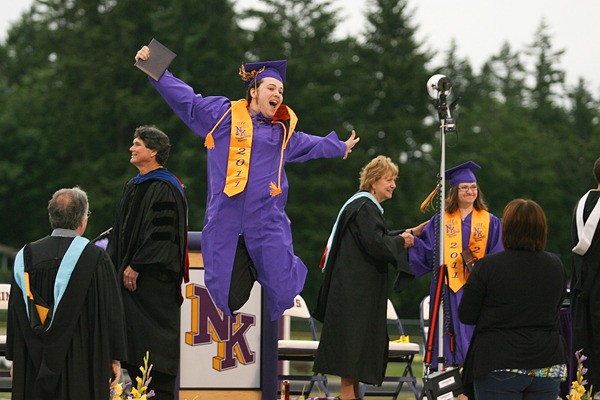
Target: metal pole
{"points": [[441, 233]]}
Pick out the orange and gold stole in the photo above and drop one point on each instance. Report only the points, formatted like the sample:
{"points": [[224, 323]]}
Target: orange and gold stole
{"points": [[480, 225], [240, 145]]}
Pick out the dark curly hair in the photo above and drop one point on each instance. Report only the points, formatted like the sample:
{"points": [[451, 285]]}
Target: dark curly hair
{"points": [[154, 139]]}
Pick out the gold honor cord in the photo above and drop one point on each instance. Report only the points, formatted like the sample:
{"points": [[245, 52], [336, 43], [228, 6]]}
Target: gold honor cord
{"points": [[427, 203]]}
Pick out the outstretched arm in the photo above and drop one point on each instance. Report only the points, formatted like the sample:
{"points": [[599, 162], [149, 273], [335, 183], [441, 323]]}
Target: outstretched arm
{"points": [[350, 143]]}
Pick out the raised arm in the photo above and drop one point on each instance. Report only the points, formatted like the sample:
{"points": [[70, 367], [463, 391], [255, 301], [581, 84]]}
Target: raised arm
{"points": [[198, 112]]}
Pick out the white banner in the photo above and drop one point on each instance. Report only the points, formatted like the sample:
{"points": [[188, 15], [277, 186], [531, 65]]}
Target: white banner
{"points": [[218, 351]]}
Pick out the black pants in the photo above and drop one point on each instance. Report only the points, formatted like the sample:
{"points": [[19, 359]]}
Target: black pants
{"points": [[243, 277]]}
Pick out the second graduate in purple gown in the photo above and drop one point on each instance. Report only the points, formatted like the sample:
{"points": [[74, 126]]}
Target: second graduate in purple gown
{"points": [[247, 235], [468, 225]]}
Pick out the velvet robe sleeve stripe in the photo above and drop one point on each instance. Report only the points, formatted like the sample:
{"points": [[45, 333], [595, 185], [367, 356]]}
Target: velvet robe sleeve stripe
{"points": [[146, 240]]}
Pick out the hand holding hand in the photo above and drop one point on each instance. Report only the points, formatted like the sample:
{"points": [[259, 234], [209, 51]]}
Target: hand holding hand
{"points": [[409, 240]]}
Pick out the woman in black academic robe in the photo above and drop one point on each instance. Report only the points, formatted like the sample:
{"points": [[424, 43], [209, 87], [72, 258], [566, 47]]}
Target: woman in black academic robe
{"points": [[353, 299]]}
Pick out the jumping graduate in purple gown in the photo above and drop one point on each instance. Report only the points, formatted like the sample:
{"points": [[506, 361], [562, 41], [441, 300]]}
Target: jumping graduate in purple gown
{"points": [[246, 235], [468, 226]]}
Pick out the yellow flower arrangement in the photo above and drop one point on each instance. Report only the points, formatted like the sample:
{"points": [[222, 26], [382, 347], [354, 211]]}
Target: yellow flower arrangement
{"points": [[578, 391], [119, 390]]}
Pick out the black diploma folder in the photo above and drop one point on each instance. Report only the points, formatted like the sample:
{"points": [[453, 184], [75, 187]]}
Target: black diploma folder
{"points": [[160, 59]]}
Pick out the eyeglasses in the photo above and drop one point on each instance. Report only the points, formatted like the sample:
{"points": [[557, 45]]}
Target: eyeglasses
{"points": [[89, 213], [467, 188]]}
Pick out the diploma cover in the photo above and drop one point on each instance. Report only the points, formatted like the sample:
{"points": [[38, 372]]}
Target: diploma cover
{"points": [[160, 59]]}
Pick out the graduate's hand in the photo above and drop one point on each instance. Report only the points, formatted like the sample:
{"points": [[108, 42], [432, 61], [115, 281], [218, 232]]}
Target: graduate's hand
{"points": [[143, 54], [130, 279], [350, 143], [116, 373], [417, 230], [409, 240]]}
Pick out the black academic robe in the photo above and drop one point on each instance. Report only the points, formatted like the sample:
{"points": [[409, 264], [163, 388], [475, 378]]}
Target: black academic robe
{"points": [[585, 298], [72, 359], [353, 299], [149, 235]]}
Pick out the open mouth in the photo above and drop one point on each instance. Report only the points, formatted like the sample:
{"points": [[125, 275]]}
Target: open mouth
{"points": [[273, 103]]}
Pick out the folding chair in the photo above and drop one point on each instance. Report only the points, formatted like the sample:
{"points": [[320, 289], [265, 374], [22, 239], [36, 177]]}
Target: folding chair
{"points": [[5, 380], [424, 316], [301, 350], [399, 353]]}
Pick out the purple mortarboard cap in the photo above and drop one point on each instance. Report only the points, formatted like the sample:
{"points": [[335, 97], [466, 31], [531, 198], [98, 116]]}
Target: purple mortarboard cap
{"points": [[462, 173], [251, 72]]}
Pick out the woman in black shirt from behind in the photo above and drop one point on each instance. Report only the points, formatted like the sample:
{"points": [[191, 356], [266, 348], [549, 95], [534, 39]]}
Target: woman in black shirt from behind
{"points": [[513, 298]]}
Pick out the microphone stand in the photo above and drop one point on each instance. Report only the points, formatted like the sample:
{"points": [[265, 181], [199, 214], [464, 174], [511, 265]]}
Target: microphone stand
{"points": [[439, 87], [447, 124]]}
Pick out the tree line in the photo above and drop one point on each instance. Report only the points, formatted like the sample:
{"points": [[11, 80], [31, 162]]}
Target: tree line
{"points": [[71, 100]]}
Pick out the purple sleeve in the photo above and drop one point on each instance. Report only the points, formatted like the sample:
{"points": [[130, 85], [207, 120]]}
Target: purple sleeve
{"points": [[198, 112], [494, 244], [304, 147], [420, 256]]}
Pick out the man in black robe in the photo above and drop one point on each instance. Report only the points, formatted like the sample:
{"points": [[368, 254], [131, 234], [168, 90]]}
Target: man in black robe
{"points": [[148, 245], [65, 332], [585, 285]]}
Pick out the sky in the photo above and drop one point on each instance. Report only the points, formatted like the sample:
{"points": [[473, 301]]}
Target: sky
{"points": [[479, 27]]}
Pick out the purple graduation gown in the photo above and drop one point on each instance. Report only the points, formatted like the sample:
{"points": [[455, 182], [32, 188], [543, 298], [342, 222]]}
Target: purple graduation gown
{"points": [[420, 258], [252, 213]]}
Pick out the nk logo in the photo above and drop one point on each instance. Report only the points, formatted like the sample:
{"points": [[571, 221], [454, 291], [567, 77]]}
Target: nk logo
{"points": [[210, 325]]}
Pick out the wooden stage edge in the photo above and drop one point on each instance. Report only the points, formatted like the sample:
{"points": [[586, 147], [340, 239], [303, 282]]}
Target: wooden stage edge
{"points": [[220, 395], [196, 259]]}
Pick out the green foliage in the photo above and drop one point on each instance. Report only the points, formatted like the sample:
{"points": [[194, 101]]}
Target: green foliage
{"points": [[70, 100]]}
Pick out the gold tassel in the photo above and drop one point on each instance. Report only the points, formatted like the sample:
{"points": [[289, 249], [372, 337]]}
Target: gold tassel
{"points": [[427, 202], [209, 142], [248, 76], [274, 189]]}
